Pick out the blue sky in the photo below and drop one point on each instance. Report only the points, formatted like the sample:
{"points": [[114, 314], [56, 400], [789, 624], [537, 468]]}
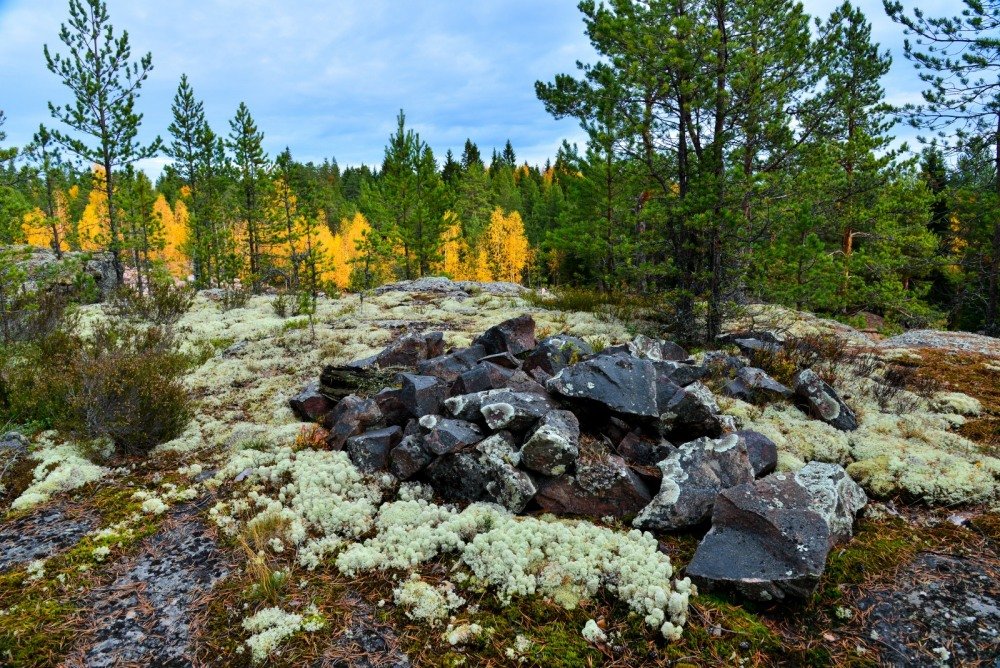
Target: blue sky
{"points": [[327, 77]]}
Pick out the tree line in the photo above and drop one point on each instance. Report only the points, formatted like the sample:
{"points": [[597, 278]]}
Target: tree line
{"points": [[736, 151]]}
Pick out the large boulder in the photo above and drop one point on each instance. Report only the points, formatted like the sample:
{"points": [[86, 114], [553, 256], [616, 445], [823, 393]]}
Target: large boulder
{"points": [[822, 402], [770, 538], [605, 487], [691, 413], [501, 409], [554, 444], [309, 404], [459, 477], [693, 476], [514, 336], [621, 383], [555, 353], [754, 385], [763, 452]]}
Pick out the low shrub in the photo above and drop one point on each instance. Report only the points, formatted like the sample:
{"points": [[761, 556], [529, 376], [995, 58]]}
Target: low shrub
{"points": [[163, 303]]}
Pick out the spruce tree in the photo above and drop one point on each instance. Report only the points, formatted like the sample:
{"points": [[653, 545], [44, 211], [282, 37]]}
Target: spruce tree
{"points": [[105, 82], [188, 123], [251, 163]]}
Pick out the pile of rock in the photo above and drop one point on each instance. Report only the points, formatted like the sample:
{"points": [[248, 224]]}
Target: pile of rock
{"points": [[556, 426]]}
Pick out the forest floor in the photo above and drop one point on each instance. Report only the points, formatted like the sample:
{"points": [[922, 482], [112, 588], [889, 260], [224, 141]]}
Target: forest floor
{"points": [[125, 561]]}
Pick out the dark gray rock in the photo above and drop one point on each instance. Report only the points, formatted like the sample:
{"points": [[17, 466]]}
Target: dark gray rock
{"points": [[754, 385], [446, 435], [765, 542], [555, 353], [351, 417], [451, 366], [679, 373], [718, 362], [601, 488], [409, 458], [765, 335], [623, 384], [504, 359], [656, 350], [459, 477], [691, 413], [422, 395], [644, 450], [554, 444], [692, 478], [13, 442], [407, 351], [480, 378], [309, 405], [390, 402], [770, 538], [370, 451], [822, 402], [501, 409], [762, 451], [42, 534], [514, 336], [752, 347]]}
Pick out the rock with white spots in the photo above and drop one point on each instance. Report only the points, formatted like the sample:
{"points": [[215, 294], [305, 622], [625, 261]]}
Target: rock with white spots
{"points": [[822, 402], [554, 445], [620, 383]]}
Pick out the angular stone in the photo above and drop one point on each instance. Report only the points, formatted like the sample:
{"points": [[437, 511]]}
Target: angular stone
{"points": [[679, 373], [764, 335], [754, 385], [692, 478], [351, 417], [691, 413], [422, 395], [822, 402], [514, 336], [309, 405], [765, 543], [390, 402], [519, 381], [717, 361], [554, 444], [621, 383], [770, 539], [448, 434], [13, 442], [555, 353], [370, 451], [459, 477], [762, 451], [509, 486], [410, 349], [643, 450], [601, 488], [337, 382], [657, 350], [753, 347], [409, 458], [451, 366]]}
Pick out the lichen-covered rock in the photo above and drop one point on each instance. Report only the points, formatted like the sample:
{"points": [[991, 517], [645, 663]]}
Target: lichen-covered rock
{"points": [[448, 434], [352, 416], [514, 336], [770, 538], [679, 373], [821, 401], [422, 395], [501, 409], [406, 351], [692, 479], [509, 486], [409, 458], [656, 350], [754, 385], [623, 384], [691, 413], [605, 487], [309, 405], [554, 444], [370, 451], [555, 353]]}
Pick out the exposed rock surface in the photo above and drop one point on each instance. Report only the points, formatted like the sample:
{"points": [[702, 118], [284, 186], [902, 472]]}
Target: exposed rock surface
{"points": [[42, 535], [753, 385], [601, 488], [623, 384], [309, 404], [822, 401]]}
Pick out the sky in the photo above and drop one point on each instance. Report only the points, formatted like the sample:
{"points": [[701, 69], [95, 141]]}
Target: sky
{"points": [[327, 78]]}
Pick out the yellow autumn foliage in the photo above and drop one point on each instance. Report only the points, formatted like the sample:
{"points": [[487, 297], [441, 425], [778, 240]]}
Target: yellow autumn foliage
{"points": [[91, 229], [38, 228], [174, 224], [345, 249], [506, 248]]}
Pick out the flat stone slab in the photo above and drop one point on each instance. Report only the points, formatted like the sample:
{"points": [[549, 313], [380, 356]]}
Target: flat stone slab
{"points": [[42, 534]]}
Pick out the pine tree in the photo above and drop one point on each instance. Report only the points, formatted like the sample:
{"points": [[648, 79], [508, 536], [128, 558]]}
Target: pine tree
{"points": [[250, 160], [47, 161], [105, 82]]}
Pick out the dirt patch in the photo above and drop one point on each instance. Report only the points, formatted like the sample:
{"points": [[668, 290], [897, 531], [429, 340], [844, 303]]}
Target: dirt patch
{"points": [[43, 534], [944, 610], [144, 616], [364, 642]]}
